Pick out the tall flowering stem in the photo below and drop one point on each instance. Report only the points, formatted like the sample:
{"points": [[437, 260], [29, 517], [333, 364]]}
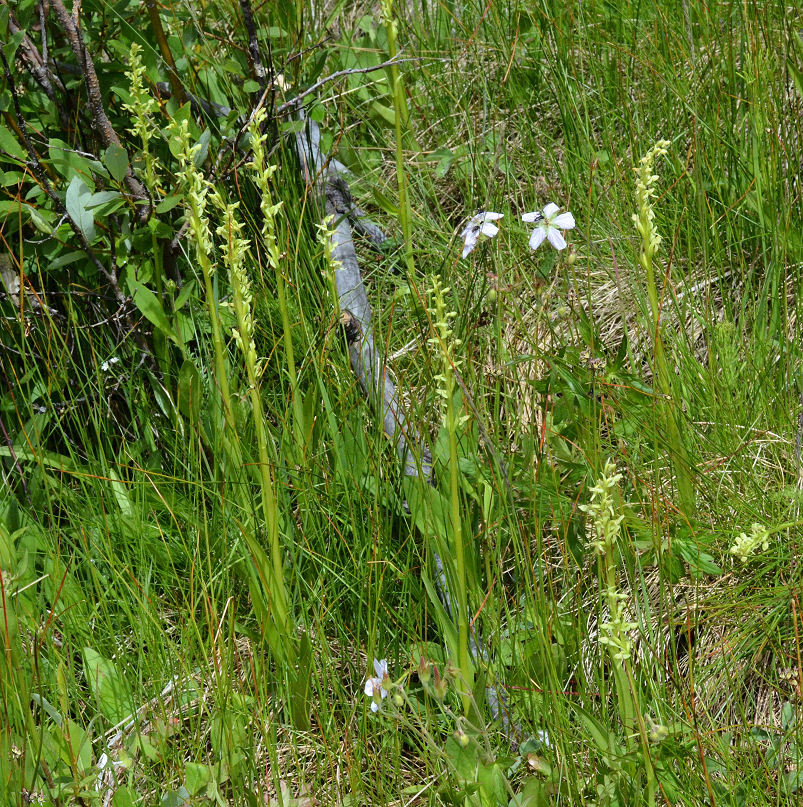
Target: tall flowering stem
{"points": [[197, 199], [234, 254], [445, 343], [142, 105], [262, 173], [606, 526], [644, 219]]}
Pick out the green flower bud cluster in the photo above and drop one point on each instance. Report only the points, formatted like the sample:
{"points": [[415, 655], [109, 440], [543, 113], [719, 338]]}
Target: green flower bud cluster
{"points": [[262, 173], [235, 250], [746, 545], [141, 106], [644, 217], [445, 342], [606, 526], [601, 510], [198, 189]]}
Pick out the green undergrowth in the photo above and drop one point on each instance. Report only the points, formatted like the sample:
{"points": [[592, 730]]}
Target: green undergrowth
{"points": [[194, 591]]}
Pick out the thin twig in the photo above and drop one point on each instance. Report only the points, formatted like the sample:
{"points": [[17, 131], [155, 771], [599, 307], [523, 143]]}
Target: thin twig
{"points": [[293, 103], [257, 68], [177, 88]]}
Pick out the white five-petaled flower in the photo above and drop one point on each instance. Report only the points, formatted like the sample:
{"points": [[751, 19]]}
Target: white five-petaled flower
{"points": [[481, 224], [548, 226], [377, 685]]}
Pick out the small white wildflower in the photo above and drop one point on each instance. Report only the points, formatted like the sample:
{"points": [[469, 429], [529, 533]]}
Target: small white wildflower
{"points": [[107, 365], [481, 224], [377, 686], [548, 226]]}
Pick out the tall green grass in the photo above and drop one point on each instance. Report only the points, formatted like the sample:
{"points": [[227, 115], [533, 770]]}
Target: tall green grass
{"points": [[137, 580]]}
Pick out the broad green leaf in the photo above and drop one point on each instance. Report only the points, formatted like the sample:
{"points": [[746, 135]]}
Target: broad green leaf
{"points": [[123, 797], [388, 114], [189, 391], [151, 307], [78, 195], [9, 143], [110, 689], [196, 776], [10, 47], [66, 161], [169, 203], [120, 494], [115, 158], [101, 198], [203, 140], [176, 798]]}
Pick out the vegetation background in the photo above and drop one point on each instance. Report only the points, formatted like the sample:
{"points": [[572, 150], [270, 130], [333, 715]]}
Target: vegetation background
{"points": [[203, 547]]}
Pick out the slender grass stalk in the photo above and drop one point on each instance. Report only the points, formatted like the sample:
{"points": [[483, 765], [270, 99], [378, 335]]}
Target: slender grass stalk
{"points": [[401, 122]]}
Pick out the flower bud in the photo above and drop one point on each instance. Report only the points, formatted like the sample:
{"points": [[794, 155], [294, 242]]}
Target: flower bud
{"points": [[462, 738], [657, 732], [439, 685], [451, 671], [398, 700], [424, 671]]}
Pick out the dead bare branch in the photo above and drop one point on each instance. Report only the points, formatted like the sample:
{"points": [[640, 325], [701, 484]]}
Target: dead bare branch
{"points": [[35, 62]]}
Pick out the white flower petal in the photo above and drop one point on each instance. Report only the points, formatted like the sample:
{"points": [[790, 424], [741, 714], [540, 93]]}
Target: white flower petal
{"points": [[550, 210], [565, 221], [555, 238], [537, 237], [471, 242], [374, 707], [383, 693], [536, 215], [489, 229], [369, 687], [491, 216], [381, 668]]}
